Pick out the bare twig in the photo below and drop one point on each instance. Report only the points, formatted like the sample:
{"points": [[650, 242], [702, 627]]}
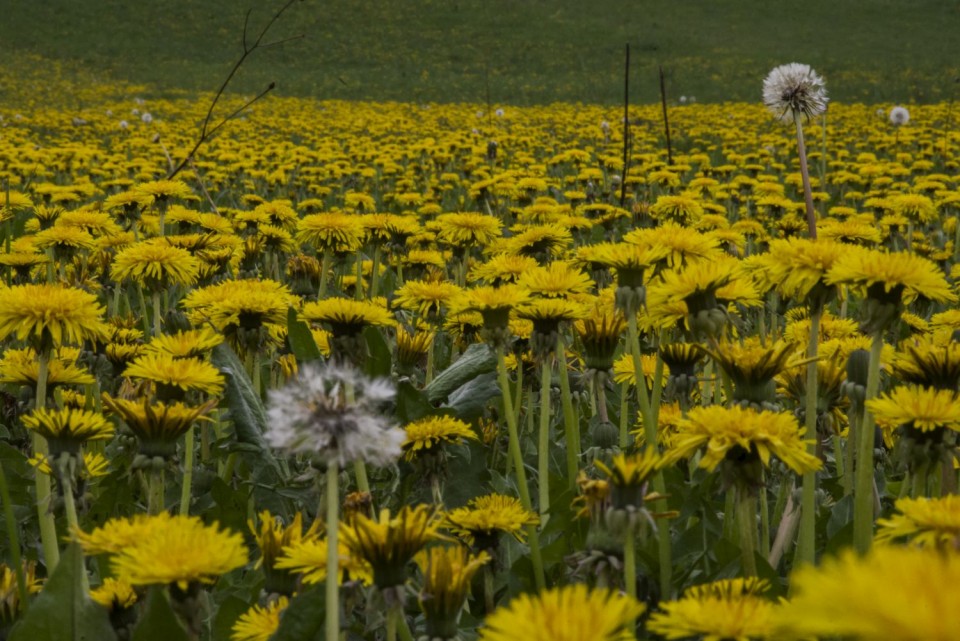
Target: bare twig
{"points": [[206, 131], [626, 126]]}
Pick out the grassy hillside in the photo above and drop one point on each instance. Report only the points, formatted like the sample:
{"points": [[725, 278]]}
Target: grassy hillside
{"points": [[518, 51]]}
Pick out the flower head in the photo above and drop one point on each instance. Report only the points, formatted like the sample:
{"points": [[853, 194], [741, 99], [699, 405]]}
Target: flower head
{"points": [[894, 593], [899, 116], [570, 613], [447, 572], [430, 432], [259, 623], [314, 414], [924, 522], [484, 517], [50, 314], [719, 611], [794, 89]]}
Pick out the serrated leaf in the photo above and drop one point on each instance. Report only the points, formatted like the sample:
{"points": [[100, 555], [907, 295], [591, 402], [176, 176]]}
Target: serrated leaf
{"points": [[247, 412], [304, 618], [302, 344], [63, 611], [158, 621], [476, 360]]}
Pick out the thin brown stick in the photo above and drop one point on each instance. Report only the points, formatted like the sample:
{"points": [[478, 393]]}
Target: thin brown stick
{"points": [[206, 131], [666, 121], [626, 126]]}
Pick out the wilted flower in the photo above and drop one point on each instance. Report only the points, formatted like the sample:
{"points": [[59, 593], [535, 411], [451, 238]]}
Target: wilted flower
{"points": [[333, 411], [794, 88]]}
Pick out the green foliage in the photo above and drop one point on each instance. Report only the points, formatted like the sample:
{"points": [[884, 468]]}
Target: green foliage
{"points": [[504, 51], [158, 621], [63, 611]]}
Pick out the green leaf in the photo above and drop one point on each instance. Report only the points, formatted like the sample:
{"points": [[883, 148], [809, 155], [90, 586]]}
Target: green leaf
{"points": [[247, 412], [378, 362], [470, 399], [63, 611], [158, 621], [227, 614], [476, 360], [304, 618], [412, 404], [301, 340]]}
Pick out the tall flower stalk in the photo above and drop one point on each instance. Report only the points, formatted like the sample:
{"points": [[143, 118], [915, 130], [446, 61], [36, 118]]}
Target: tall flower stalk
{"points": [[794, 92]]}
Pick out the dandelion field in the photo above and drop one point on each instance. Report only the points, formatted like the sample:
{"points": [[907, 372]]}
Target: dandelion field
{"points": [[526, 390]]}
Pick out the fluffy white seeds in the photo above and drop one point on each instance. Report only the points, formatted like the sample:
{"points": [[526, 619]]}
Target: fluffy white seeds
{"points": [[899, 116], [794, 89], [334, 412]]}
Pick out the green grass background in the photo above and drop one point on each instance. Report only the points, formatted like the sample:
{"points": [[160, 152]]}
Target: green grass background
{"points": [[514, 51]]}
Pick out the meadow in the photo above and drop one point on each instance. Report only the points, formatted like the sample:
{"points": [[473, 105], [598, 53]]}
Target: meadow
{"points": [[532, 372]]}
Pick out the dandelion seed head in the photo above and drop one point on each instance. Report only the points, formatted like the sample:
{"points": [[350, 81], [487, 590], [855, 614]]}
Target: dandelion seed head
{"points": [[899, 116], [794, 88], [334, 411]]}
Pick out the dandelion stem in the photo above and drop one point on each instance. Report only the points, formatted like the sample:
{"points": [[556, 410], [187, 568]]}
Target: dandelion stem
{"points": [[764, 522], [863, 488], [571, 426], [156, 313], [332, 588], [805, 176], [48, 527], [543, 443], [630, 566], [747, 523], [324, 271], [806, 547], [187, 472], [517, 456], [155, 499], [650, 434]]}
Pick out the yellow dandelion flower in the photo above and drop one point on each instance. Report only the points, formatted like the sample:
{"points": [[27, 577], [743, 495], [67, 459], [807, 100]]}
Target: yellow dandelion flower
{"points": [[728, 610], [259, 623], [163, 189], [68, 428], [154, 421], [447, 575], [331, 231], [922, 408], [485, 517], [926, 522], [428, 433], [502, 268], [893, 593], [389, 543], [192, 343], [51, 315], [424, 297], [929, 361], [346, 316], [468, 229], [309, 559], [539, 241], [898, 275], [114, 594], [22, 367], [557, 280], [156, 264], [917, 208], [720, 432], [185, 374], [682, 210], [179, 550], [569, 613]]}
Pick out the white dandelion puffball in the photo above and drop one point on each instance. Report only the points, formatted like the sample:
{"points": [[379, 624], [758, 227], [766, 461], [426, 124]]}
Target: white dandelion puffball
{"points": [[794, 89], [499, 113], [147, 118], [334, 412], [899, 116]]}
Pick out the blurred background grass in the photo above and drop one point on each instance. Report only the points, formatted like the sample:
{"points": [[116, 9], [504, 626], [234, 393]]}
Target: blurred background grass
{"points": [[514, 51]]}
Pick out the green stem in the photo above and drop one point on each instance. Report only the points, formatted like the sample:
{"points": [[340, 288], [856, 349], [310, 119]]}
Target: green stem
{"points": [[543, 442], [747, 523], [517, 457], [650, 433], [624, 419], [431, 354], [332, 589], [571, 426], [805, 177], [48, 527], [863, 488], [187, 472], [155, 500], [324, 270], [630, 566], [849, 450], [156, 313], [806, 546], [392, 615], [375, 274], [764, 522]]}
